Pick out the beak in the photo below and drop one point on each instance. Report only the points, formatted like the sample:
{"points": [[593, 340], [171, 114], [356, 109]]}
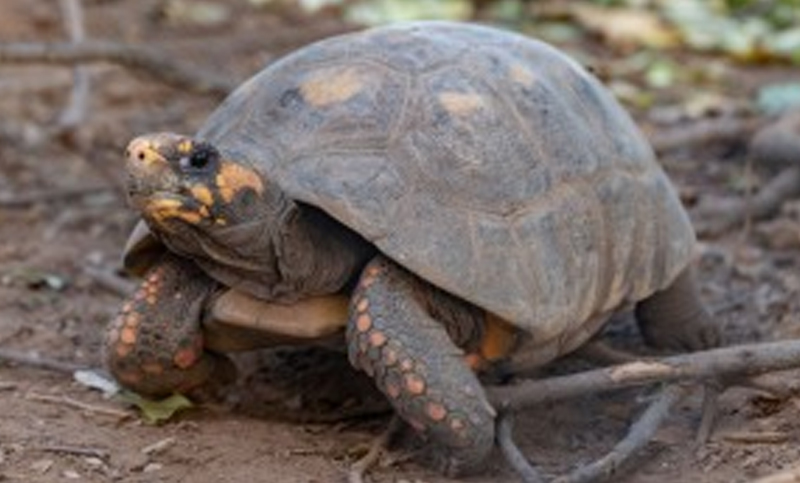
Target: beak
{"points": [[144, 153]]}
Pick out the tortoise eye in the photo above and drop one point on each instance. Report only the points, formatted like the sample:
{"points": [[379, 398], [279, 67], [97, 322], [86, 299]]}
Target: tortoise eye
{"points": [[198, 160]]}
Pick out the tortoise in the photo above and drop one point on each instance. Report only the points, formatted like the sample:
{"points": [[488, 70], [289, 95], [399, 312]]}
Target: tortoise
{"points": [[478, 197]]}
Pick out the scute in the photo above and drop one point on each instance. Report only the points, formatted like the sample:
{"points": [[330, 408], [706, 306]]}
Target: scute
{"points": [[487, 163]]}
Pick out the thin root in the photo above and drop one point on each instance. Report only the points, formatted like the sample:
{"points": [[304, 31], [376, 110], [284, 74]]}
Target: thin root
{"points": [[376, 450], [641, 433], [512, 453]]}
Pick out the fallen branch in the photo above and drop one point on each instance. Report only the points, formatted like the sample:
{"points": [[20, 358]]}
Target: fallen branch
{"points": [[726, 363], [705, 131], [159, 66], [765, 203]]}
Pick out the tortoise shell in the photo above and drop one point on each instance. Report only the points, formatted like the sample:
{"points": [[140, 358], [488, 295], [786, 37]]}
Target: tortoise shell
{"points": [[488, 163]]}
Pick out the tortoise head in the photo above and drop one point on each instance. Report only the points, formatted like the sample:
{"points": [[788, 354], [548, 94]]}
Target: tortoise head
{"points": [[197, 198]]}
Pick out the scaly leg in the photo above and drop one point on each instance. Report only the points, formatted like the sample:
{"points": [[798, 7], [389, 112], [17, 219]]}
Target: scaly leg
{"points": [[155, 345], [392, 337]]}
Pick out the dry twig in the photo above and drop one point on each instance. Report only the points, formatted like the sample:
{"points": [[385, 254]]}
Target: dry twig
{"points": [[512, 453], [702, 132], [75, 450], [32, 360], [25, 200], [376, 449], [792, 475], [641, 432], [727, 363], [110, 281], [74, 403], [159, 66], [76, 110]]}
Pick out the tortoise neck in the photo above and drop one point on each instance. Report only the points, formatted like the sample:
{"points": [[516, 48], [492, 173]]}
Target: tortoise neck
{"points": [[316, 254]]}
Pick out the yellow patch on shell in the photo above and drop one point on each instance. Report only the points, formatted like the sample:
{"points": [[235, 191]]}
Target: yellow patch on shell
{"points": [[521, 75], [162, 210], [461, 103], [233, 178], [326, 87]]}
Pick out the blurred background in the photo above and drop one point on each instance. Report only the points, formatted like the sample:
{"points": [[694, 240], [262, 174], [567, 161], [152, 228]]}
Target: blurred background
{"points": [[714, 84]]}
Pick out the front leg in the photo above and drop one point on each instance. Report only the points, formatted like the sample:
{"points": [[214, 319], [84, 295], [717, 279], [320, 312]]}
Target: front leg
{"points": [[155, 345], [393, 338]]}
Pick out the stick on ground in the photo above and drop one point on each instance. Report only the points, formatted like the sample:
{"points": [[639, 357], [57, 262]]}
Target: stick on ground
{"points": [[512, 453], [154, 64], [641, 432], [725, 363]]}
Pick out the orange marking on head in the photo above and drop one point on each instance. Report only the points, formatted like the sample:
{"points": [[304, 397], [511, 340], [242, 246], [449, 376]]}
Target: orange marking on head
{"points": [[145, 151], [331, 86], [163, 209], [203, 195], [414, 384], [362, 305], [436, 411], [521, 75], [363, 323], [461, 103], [234, 178], [128, 335], [406, 365], [185, 146], [377, 338]]}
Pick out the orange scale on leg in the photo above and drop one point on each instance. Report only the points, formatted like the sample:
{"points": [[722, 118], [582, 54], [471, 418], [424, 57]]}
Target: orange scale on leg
{"points": [[123, 350], [128, 335], [415, 384], [363, 323], [435, 411], [377, 338], [186, 357], [362, 305]]}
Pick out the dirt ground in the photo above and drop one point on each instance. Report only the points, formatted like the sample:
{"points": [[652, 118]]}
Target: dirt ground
{"points": [[50, 306]]}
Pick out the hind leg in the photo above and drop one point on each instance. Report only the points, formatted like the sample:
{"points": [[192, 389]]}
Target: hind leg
{"points": [[676, 319], [414, 362]]}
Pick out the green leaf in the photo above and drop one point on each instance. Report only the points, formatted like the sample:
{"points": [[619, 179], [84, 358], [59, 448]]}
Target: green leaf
{"points": [[385, 11], [155, 412]]}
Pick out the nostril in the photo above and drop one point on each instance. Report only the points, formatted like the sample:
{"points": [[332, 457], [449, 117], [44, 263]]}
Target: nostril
{"points": [[141, 156]]}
